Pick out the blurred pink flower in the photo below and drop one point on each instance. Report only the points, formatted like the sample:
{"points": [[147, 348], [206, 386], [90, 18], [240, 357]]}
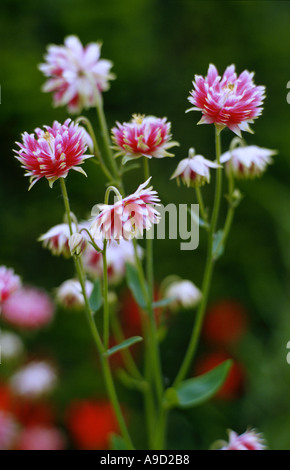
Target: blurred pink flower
{"points": [[76, 74], [9, 282], [184, 294], [247, 162], [33, 380], [194, 170], [249, 440], [53, 152], [128, 217], [69, 293], [229, 101], [8, 430], [57, 238], [144, 136], [28, 308], [41, 438]]}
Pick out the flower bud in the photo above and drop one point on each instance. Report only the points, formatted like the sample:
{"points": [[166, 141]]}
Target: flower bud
{"points": [[77, 244]]}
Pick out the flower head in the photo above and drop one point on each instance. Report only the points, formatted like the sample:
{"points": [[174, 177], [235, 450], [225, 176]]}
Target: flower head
{"points": [[53, 151], [57, 239], [28, 308], [9, 282], [249, 440], [12, 346], [128, 217], [69, 294], [33, 380], [76, 74], [229, 101], [194, 170], [184, 294], [40, 438], [247, 162], [144, 136]]}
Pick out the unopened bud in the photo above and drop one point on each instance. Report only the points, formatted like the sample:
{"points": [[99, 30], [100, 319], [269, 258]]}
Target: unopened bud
{"points": [[77, 244]]}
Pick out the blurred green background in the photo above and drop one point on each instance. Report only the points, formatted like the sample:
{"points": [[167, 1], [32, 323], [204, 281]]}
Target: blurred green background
{"points": [[157, 46]]}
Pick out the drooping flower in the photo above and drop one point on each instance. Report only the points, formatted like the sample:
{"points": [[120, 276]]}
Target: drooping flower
{"points": [[69, 293], [128, 217], [8, 430], [33, 380], [194, 170], [29, 308], [143, 136], [117, 254], [57, 238], [247, 162], [249, 440], [41, 438], [52, 151], [9, 282], [229, 101], [184, 294], [76, 74], [91, 423]]}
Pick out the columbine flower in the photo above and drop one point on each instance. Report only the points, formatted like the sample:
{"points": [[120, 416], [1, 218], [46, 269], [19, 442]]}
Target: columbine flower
{"points": [[143, 136], [117, 254], [194, 170], [57, 240], [77, 243], [40, 438], [247, 162], [128, 217], [229, 101], [53, 151], [76, 74], [250, 440], [8, 430], [69, 293], [28, 308], [184, 294], [9, 282], [33, 380]]}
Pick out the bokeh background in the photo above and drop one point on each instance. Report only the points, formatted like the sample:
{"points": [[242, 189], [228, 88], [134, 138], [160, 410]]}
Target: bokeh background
{"points": [[157, 46]]}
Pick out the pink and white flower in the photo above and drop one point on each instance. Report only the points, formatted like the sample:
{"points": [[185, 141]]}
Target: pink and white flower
{"points": [[76, 74], [249, 440], [9, 282], [128, 217], [69, 293], [41, 438], [57, 239], [194, 170], [184, 294], [143, 136], [33, 380], [51, 152], [29, 308], [229, 101], [8, 430], [247, 162]]}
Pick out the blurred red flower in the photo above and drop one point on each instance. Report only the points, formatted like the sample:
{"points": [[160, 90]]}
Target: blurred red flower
{"points": [[91, 423]]}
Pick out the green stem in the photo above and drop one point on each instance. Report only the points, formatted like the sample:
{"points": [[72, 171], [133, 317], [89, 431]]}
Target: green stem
{"points": [[101, 349], [105, 297], [201, 204], [207, 273]]}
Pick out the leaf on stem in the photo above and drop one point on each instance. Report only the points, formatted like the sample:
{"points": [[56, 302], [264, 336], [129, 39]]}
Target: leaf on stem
{"points": [[96, 299], [125, 344], [218, 246], [134, 285], [195, 391]]}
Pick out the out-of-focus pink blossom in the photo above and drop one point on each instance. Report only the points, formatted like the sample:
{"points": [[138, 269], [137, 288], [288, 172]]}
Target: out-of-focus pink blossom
{"points": [[184, 294], [128, 217], [8, 430], [75, 73], [249, 440], [12, 346], [53, 151], [41, 438], [69, 293], [247, 162], [28, 308], [194, 170], [33, 380], [9, 282], [57, 238], [229, 101], [144, 136]]}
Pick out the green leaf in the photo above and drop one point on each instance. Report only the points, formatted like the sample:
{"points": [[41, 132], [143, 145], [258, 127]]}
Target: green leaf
{"points": [[96, 299], [134, 285], [195, 391], [117, 442], [163, 302], [218, 246], [125, 344]]}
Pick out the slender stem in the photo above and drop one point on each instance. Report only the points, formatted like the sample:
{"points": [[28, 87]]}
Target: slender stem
{"points": [[101, 349], [231, 210], [105, 297], [207, 273], [201, 204]]}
